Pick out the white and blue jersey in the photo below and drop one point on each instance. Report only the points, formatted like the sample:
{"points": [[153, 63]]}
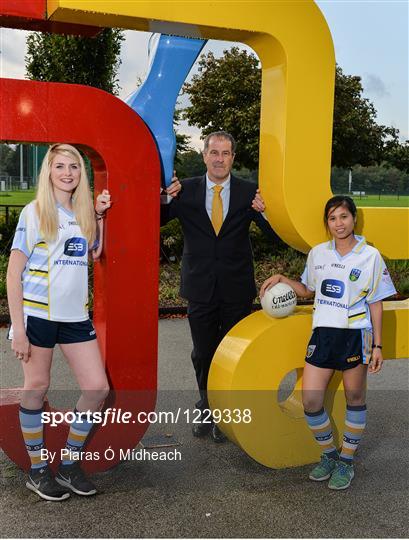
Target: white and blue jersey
{"points": [[55, 279], [345, 286]]}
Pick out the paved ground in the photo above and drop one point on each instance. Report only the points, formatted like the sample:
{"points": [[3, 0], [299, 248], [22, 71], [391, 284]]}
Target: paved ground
{"points": [[216, 490]]}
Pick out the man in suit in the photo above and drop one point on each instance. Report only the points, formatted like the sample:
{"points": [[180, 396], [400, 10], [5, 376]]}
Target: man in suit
{"points": [[217, 276]]}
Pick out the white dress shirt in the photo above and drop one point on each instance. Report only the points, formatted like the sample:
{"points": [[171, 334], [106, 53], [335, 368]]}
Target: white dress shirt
{"points": [[225, 195]]}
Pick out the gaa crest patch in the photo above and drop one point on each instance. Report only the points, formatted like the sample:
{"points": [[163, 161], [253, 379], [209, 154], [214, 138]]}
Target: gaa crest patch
{"points": [[386, 278], [310, 350], [354, 275]]}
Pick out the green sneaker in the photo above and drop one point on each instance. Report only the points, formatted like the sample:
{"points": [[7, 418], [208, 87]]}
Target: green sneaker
{"points": [[324, 469], [342, 476]]}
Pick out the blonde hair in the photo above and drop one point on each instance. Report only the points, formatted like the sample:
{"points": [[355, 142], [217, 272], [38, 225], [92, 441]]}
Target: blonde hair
{"points": [[82, 202]]}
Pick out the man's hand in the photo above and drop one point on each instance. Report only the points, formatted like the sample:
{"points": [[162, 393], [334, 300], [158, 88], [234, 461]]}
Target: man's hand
{"points": [[174, 189], [258, 203], [103, 202]]}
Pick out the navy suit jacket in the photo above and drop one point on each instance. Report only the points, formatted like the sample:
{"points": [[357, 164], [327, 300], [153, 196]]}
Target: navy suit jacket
{"points": [[225, 260]]}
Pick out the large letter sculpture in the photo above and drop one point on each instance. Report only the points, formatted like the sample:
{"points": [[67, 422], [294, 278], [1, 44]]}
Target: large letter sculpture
{"points": [[294, 45], [156, 98], [125, 159]]}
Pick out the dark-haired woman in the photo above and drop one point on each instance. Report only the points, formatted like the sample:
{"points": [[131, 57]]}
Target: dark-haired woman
{"points": [[349, 280]]}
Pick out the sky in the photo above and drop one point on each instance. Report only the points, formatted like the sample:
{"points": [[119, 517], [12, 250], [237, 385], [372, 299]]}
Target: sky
{"points": [[370, 39]]}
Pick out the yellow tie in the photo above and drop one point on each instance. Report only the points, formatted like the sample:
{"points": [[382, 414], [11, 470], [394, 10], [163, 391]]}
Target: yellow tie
{"points": [[217, 209]]}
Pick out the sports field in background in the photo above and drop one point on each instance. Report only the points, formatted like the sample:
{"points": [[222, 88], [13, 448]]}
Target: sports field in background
{"points": [[24, 197], [384, 200], [17, 197]]}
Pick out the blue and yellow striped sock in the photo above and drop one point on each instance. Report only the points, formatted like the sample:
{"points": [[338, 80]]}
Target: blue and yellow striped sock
{"points": [[77, 435], [355, 423], [320, 426], [33, 435]]}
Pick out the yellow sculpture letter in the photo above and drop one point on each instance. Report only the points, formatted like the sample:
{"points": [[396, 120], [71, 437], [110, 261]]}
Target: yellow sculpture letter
{"points": [[295, 48]]}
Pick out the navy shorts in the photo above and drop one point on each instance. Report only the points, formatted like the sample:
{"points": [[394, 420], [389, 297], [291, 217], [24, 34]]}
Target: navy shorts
{"points": [[339, 348], [45, 333]]}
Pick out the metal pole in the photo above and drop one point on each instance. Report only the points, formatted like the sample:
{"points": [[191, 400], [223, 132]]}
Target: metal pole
{"points": [[350, 180], [35, 165], [21, 165]]}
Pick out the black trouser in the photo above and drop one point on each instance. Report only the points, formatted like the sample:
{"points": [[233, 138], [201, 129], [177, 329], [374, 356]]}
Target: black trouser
{"points": [[209, 323]]}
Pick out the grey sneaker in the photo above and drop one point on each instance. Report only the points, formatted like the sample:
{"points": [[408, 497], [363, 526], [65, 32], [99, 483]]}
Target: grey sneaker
{"points": [[342, 476], [324, 469], [42, 482], [73, 478]]}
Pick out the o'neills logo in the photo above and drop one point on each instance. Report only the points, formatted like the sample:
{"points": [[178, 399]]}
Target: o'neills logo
{"points": [[284, 297]]}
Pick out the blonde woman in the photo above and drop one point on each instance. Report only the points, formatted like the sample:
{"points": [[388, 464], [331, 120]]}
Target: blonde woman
{"points": [[47, 285]]}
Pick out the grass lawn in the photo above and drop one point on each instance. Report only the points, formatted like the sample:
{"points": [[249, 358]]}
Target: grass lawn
{"points": [[17, 197], [385, 200], [24, 197]]}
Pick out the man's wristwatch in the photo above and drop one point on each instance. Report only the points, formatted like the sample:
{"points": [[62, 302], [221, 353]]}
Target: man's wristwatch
{"points": [[376, 346]]}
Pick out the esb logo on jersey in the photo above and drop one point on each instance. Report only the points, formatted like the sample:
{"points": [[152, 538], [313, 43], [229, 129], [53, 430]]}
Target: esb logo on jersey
{"points": [[332, 288], [75, 247]]}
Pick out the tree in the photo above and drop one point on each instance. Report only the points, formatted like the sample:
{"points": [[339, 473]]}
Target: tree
{"points": [[225, 95], [397, 155], [357, 138], [339, 180], [75, 59], [372, 179], [9, 160], [182, 141], [190, 164]]}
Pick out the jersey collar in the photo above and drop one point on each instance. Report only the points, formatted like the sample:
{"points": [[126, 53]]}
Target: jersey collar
{"points": [[360, 246], [67, 212]]}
